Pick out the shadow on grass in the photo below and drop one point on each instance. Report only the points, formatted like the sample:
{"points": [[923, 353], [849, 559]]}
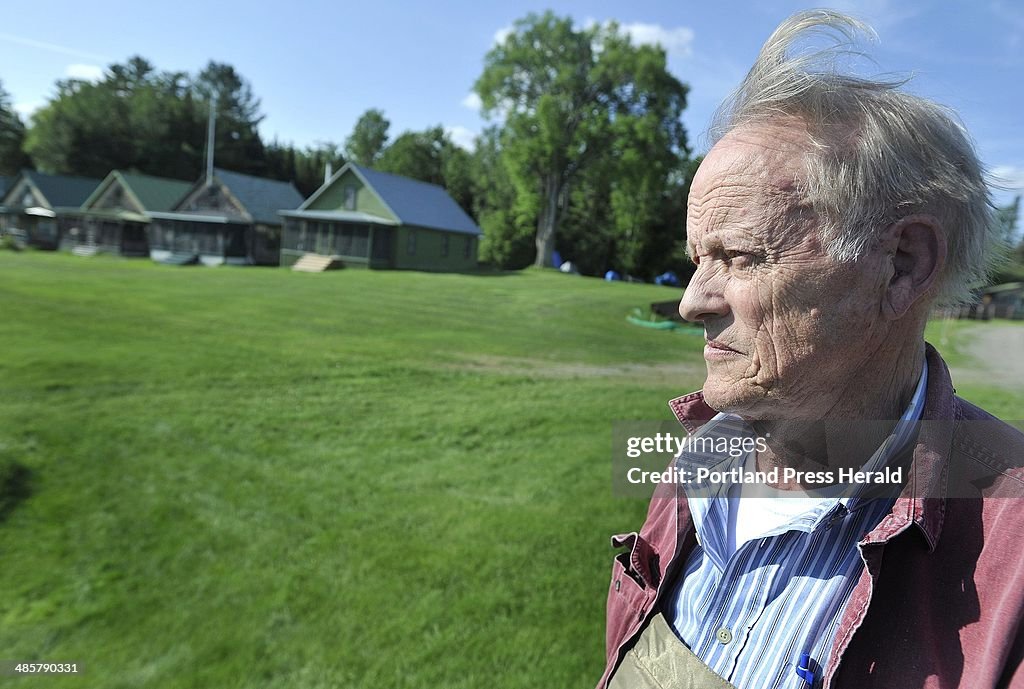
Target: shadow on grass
{"points": [[15, 486]]}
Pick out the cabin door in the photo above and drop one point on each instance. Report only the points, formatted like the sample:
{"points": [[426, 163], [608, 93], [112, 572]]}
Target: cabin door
{"points": [[325, 239]]}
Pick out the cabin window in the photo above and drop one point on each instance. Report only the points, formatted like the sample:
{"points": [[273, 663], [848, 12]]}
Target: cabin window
{"points": [[360, 241], [467, 249], [444, 245], [345, 242], [410, 247], [350, 198]]}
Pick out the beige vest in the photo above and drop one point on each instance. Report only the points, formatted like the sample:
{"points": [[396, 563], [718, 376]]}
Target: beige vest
{"points": [[659, 660]]}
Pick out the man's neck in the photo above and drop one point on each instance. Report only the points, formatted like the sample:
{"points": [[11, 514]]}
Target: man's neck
{"points": [[849, 432]]}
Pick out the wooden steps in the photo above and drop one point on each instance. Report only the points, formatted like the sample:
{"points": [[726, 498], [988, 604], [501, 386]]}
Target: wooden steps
{"points": [[173, 258], [317, 263], [85, 250]]}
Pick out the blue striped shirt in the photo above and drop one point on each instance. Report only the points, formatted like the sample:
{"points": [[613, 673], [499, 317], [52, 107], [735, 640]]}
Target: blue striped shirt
{"points": [[751, 613]]}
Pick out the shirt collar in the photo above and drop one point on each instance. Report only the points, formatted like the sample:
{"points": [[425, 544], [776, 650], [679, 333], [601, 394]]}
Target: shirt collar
{"points": [[709, 509]]}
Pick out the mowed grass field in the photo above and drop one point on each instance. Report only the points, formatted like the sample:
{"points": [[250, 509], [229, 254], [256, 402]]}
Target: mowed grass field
{"points": [[257, 478]]}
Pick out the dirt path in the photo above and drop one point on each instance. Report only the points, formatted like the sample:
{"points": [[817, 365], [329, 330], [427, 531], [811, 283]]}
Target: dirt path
{"points": [[998, 353], [552, 369]]}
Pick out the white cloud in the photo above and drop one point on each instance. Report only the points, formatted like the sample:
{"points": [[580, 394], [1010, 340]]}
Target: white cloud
{"points": [[472, 101], [461, 136], [1008, 176], [26, 110], [678, 40], [84, 72], [501, 34]]}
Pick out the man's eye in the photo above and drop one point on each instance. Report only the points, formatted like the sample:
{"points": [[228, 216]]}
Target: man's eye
{"points": [[739, 259]]}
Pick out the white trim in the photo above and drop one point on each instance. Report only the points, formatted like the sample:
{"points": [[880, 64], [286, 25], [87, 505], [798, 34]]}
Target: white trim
{"points": [[355, 170], [197, 217], [100, 188], [339, 216]]}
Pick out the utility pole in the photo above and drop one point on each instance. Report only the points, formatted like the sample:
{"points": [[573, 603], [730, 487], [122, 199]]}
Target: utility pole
{"points": [[211, 127]]}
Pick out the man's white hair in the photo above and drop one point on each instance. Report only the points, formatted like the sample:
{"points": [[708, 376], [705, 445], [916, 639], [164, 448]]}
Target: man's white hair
{"points": [[877, 154]]}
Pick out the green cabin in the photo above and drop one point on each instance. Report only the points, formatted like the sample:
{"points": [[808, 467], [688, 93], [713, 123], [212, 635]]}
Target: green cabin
{"points": [[369, 219], [115, 216], [229, 218], [44, 207]]}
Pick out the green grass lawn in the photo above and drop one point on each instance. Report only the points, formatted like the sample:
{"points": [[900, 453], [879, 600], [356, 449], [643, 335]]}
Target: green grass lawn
{"points": [[258, 478]]}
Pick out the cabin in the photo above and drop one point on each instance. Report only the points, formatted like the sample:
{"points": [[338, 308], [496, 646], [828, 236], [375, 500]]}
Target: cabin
{"points": [[363, 218], [115, 216], [226, 218], [44, 207], [999, 301]]}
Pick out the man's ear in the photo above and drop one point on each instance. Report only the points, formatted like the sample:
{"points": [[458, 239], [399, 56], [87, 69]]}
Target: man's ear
{"points": [[916, 248]]}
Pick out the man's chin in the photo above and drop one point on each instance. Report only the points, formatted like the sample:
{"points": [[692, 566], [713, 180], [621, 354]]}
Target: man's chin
{"points": [[729, 396]]}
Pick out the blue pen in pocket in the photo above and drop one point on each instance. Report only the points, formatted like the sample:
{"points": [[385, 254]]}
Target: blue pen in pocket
{"points": [[803, 669]]}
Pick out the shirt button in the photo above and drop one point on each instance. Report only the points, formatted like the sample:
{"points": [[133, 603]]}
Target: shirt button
{"points": [[724, 635]]}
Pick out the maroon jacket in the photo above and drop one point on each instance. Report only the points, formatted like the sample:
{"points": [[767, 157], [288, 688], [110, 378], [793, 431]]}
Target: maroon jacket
{"points": [[940, 601]]}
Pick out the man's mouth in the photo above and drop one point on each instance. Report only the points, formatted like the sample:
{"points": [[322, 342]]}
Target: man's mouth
{"points": [[715, 344]]}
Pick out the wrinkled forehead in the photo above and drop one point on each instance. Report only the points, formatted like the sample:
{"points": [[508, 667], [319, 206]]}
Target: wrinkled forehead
{"points": [[750, 183]]}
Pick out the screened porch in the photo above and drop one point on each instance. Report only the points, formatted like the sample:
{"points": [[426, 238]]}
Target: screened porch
{"points": [[355, 243]]}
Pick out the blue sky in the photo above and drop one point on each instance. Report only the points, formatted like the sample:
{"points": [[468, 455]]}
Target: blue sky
{"points": [[318, 65]]}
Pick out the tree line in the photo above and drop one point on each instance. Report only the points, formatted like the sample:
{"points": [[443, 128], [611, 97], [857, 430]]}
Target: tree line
{"points": [[584, 154]]}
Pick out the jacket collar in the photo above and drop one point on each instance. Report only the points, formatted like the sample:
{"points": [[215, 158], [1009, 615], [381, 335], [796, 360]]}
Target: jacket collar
{"points": [[922, 501], [924, 495]]}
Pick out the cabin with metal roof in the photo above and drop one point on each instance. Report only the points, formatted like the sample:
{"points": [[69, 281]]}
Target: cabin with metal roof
{"points": [[368, 219], [44, 207], [226, 218], [115, 216]]}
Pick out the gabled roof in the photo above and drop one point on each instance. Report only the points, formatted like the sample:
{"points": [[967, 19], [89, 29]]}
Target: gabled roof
{"points": [[152, 193], [262, 198], [155, 193], [61, 191], [411, 201], [4, 185]]}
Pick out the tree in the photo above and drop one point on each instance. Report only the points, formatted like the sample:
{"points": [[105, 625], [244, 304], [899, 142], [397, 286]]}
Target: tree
{"points": [[238, 143], [508, 239], [1012, 267], [431, 156], [12, 137], [305, 167], [83, 130], [1006, 221], [457, 172], [137, 118], [419, 155], [569, 97], [365, 144]]}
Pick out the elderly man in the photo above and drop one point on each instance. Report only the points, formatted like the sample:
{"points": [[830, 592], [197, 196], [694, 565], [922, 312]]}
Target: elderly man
{"points": [[831, 215]]}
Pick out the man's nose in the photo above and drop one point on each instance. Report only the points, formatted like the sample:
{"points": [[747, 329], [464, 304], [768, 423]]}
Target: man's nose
{"points": [[703, 298]]}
